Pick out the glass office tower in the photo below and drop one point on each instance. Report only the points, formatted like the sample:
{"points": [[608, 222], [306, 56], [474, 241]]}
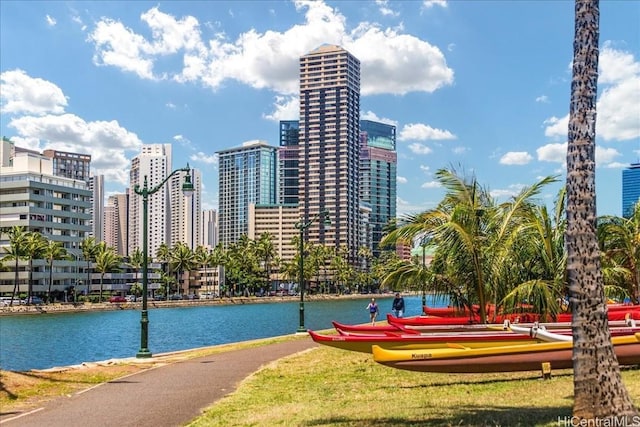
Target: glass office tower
{"points": [[378, 171], [630, 188]]}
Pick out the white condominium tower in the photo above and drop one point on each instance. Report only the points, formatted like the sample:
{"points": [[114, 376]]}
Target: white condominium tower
{"points": [[329, 145]]}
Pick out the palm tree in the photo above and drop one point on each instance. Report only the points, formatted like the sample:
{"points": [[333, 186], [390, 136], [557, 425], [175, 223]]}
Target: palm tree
{"points": [[201, 258], [107, 261], [135, 262], [600, 397], [266, 251], [54, 252], [218, 258], [620, 245], [88, 247], [16, 251], [36, 245], [182, 259], [163, 254]]}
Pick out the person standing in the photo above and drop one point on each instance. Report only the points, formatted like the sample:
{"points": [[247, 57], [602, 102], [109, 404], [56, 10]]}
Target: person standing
{"points": [[398, 305], [373, 311]]}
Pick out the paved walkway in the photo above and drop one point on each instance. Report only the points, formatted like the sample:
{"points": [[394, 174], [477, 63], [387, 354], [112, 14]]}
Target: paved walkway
{"points": [[170, 395]]}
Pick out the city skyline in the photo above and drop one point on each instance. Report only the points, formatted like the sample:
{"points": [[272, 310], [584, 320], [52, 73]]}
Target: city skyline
{"points": [[472, 85]]}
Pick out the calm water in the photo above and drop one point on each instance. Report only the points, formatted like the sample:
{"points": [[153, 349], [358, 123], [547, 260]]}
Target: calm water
{"points": [[44, 341]]}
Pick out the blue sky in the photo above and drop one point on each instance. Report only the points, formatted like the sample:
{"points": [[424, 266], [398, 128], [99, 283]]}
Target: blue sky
{"points": [[482, 86]]}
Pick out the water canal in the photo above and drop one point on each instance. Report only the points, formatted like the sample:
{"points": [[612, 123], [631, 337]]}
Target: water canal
{"points": [[62, 339]]}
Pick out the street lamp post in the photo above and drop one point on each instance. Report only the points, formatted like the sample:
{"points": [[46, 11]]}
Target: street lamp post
{"points": [[302, 225], [187, 188]]}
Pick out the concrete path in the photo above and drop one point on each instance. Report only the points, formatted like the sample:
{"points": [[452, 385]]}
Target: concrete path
{"points": [[170, 395]]}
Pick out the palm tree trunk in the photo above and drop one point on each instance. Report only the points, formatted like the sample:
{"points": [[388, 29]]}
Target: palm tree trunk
{"points": [[599, 393]]}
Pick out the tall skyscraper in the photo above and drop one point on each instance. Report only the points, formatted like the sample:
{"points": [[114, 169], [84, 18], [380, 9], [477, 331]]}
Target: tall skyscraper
{"points": [[185, 211], [115, 223], [209, 235], [288, 162], [153, 164], [630, 188], [246, 174], [70, 165], [378, 172], [96, 185], [329, 145]]}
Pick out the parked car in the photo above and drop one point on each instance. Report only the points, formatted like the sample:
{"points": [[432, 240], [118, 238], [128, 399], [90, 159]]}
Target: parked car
{"points": [[34, 300], [117, 298]]}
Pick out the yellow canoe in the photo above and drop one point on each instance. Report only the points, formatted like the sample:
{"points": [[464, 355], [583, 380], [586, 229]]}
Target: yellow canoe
{"points": [[527, 357]]}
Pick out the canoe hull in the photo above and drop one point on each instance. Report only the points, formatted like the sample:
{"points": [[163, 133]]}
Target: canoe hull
{"points": [[364, 343], [499, 359]]}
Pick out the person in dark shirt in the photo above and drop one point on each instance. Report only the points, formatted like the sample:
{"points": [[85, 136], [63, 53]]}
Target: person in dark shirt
{"points": [[398, 305]]}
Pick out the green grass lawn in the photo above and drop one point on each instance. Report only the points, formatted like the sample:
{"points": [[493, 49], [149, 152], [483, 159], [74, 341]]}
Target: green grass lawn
{"points": [[331, 387]]}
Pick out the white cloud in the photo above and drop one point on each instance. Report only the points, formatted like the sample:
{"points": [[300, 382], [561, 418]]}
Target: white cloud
{"points": [[401, 179], [200, 157], [370, 115], [543, 98], [428, 4], [21, 93], [516, 158], [418, 148], [556, 153], [431, 184], [511, 191], [392, 62], [459, 150], [383, 7], [421, 132], [285, 108], [51, 21], [426, 169], [618, 109], [108, 141], [605, 155]]}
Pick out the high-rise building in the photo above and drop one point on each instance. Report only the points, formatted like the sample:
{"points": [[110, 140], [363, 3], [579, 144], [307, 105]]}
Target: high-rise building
{"points": [[78, 166], [96, 185], [630, 188], [329, 146], [246, 174], [34, 197], [185, 211], [70, 165], [209, 235], [115, 223], [288, 162], [378, 173]]}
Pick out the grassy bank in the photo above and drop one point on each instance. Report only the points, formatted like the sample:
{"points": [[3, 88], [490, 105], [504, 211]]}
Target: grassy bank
{"points": [[331, 387]]}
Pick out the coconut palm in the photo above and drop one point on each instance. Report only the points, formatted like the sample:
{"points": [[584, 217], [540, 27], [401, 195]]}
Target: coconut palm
{"points": [[182, 259], [266, 252], [88, 248], [598, 398], [136, 261], [163, 255], [36, 245], [620, 245], [16, 251], [201, 259], [54, 252], [107, 261], [218, 258]]}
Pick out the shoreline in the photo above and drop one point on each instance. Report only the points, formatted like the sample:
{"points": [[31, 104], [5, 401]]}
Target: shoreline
{"points": [[19, 310]]}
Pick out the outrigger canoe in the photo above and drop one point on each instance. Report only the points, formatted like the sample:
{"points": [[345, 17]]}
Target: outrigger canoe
{"points": [[363, 343], [525, 357]]}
